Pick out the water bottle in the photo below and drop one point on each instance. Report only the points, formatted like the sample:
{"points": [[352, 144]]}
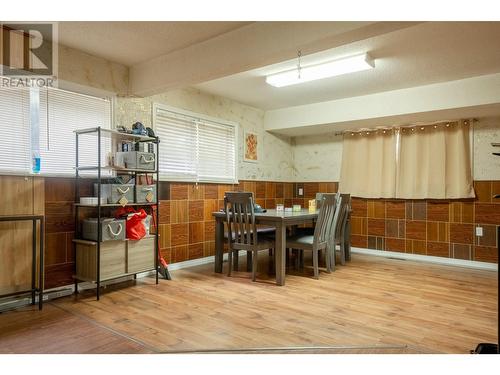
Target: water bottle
{"points": [[35, 167]]}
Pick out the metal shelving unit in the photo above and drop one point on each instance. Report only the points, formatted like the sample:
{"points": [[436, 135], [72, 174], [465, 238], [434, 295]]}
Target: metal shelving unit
{"points": [[101, 133]]}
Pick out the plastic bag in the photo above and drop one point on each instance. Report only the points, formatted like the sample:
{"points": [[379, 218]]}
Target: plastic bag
{"points": [[135, 222]]}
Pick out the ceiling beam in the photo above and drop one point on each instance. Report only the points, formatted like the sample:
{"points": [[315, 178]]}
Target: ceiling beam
{"points": [[465, 97], [249, 47]]}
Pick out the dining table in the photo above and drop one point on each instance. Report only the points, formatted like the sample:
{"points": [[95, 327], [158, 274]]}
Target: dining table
{"points": [[271, 217]]}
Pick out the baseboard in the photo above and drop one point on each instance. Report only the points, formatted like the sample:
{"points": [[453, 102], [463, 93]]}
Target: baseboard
{"points": [[193, 263], [429, 259], [67, 290]]}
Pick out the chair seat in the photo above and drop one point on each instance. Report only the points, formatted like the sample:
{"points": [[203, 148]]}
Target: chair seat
{"points": [[300, 241], [264, 229], [262, 244], [304, 231]]}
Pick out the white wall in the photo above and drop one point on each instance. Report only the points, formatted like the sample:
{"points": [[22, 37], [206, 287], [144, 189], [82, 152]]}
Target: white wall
{"points": [[486, 165], [319, 157], [274, 152]]}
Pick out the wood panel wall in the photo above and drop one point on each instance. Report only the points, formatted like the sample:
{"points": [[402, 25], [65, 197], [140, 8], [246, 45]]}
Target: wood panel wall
{"points": [[429, 227], [18, 196]]}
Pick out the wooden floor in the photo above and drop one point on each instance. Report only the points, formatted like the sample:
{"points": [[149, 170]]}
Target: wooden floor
{"points": [[371, 305]]}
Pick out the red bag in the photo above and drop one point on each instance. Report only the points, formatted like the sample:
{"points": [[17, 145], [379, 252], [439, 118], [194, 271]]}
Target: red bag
{"points": [[134, 225]]}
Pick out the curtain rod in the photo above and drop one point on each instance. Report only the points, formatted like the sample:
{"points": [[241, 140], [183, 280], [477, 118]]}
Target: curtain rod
{"points": [[401, 126]]}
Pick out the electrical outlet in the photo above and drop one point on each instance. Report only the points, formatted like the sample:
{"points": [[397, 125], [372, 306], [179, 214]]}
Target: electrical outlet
{"points": [[301, 192], [479, 231]]}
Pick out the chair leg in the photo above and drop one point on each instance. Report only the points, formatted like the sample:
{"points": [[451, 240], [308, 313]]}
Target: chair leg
{"points": [[342, 252], [296, 259], [270, 262], [249, 261], [315, 264], [236, 260], [332, 258], [229, 261], [254, 265], [328, 262]]}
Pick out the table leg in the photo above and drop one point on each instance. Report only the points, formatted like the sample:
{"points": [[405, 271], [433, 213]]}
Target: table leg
{"points": [[42, 268], [279, 255], [219, 244]]}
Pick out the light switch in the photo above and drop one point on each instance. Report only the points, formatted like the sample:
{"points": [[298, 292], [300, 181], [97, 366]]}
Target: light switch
{"points": [[301, 191], [479, 231]]}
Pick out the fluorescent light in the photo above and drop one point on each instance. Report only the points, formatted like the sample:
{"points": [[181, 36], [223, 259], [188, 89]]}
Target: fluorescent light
{"points": [[329, 69]]}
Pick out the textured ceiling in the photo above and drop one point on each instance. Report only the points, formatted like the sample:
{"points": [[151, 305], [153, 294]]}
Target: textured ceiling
{"points": [[130, 43], [426, 53]]}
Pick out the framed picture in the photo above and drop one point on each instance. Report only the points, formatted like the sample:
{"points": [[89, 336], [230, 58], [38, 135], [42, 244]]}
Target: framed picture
{"points": [[250, 144]]}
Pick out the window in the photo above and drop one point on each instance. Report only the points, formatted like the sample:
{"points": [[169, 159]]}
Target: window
{"points": [[195, 147], [60, 112], [15, 130]]}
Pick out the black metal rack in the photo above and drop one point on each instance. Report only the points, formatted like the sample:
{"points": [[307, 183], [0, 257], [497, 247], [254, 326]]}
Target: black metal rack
{"points": [[114, 135], [34, 219]]}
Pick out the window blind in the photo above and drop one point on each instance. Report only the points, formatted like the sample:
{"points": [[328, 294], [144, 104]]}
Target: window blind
{"points": [[193, 148], [216, 152], [15, 155], [62, 112]]}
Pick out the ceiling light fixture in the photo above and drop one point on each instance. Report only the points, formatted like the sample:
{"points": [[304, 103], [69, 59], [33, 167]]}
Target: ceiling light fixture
{"points": [[324, 70]]}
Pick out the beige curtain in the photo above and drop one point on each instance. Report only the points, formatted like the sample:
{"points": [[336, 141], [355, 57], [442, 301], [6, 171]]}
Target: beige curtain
{"points": [[369, 164], [434, 162]]}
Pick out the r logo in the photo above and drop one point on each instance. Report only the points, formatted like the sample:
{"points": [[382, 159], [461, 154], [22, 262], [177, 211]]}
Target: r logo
{"points": [[28, 49]]}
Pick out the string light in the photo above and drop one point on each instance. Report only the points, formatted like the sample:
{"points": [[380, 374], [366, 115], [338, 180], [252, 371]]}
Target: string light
{"points": [[404, 129]]}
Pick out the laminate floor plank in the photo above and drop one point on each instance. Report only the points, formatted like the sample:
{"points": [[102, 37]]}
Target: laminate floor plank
{"points": [[371, 305]]}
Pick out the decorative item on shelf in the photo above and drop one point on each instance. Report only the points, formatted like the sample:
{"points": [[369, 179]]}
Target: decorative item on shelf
{"points": [[137, 159], [145, 193], [116, 193], [139, 129], [92, 201], [312, 205], [123, 129], [296, 208], [111, 229]]}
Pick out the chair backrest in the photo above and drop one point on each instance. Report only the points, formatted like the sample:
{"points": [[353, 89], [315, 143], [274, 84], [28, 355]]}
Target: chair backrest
{"points": [[327, 210], [344, 207], [240, 218], [319, 198]]}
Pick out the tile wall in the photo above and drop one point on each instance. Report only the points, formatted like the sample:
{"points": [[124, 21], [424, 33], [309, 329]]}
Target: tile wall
{"points": [[436, 228]]}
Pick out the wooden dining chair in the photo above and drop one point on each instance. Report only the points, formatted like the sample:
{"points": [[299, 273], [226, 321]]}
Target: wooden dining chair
{"points": [[318, 241], [347, 228], [335, 232], [242, 230]]}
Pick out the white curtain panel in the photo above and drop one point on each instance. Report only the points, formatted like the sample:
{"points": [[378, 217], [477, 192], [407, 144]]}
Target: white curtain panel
{"points": [[369, 164], [415, 162]]}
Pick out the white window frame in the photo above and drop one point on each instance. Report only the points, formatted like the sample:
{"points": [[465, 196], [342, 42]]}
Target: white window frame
{"points": [[235, 125]]}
